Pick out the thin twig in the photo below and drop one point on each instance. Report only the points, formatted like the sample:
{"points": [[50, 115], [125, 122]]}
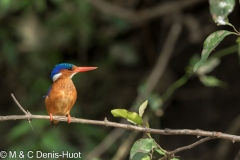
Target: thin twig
{"points": [[19, 105], [26, 112], [190, 146], [238, 33]]}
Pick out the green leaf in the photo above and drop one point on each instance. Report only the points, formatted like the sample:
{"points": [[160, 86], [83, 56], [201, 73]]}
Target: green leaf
{"points": [[146, 158], [142, 147], [155, 101], [211, 81], [193, 60], [220, 9], [130, 116], [208, 66], [238, 39], [160, 151], [142, 108], [174, 158], [210, 43], [139, 156]]}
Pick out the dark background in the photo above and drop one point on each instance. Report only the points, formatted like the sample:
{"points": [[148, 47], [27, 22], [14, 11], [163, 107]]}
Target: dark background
{"points": [[124, 39]]}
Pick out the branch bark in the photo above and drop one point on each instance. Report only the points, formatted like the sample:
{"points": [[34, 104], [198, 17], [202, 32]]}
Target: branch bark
{"points": [[197, 132], [190, 146]]}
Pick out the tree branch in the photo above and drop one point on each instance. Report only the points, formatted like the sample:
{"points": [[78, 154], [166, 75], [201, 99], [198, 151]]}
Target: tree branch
{"points": [[105, 122], [207, 134], [19, 105], [190, 146], [197, 132]]}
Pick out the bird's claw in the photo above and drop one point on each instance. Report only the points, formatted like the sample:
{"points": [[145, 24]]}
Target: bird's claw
{"points": [[51, 117], [69, 118]]}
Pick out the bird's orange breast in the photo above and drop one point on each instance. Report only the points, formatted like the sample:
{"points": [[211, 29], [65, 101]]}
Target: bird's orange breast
{"points": [[61, 97]]}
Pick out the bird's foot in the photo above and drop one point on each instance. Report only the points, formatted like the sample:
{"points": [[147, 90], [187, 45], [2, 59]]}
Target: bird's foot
{"points": [[69, 118], [51, 117]]}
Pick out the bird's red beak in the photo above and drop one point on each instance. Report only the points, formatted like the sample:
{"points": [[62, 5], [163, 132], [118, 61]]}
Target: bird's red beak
{"points": [[84, 69]]}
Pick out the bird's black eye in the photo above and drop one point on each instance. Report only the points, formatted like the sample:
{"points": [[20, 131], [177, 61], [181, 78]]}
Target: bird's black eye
{"points": [[70, 68]]}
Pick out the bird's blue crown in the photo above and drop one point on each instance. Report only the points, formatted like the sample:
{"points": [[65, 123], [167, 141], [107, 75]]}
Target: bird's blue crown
{"points": [[58, 67]]}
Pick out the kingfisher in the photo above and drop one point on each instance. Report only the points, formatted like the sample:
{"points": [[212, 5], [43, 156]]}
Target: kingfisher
{"points": [[62, 94]]}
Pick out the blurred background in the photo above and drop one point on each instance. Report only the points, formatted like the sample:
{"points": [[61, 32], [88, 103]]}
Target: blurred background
{"points": [[143, 50]]}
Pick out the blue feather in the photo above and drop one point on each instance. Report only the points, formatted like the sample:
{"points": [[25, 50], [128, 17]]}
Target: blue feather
{"points": [[59, 67]]}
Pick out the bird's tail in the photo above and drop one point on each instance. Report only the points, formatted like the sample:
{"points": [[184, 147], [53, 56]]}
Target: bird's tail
{"points": [[54, 123]]}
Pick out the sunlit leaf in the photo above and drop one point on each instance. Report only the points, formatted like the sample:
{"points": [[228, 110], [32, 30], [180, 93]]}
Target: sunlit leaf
{"points": [[142, 108], [220, 9], [210, 43], [146, 158], [130, 116], [208, 66], [160, 151], [142, 147], [139, 156], [211, 81]]}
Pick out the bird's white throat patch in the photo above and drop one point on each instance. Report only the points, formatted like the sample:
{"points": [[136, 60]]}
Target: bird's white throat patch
{"points": [[72, 75], [56, 76]]}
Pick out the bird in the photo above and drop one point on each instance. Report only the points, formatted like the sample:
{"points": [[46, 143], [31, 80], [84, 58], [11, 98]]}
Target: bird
{"points": [[62, 94]]}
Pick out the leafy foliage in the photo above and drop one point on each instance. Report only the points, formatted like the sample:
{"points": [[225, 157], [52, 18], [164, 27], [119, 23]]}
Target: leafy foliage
{"points": [[220, 9], [141, 148], [130, 116], [210, 43]]}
